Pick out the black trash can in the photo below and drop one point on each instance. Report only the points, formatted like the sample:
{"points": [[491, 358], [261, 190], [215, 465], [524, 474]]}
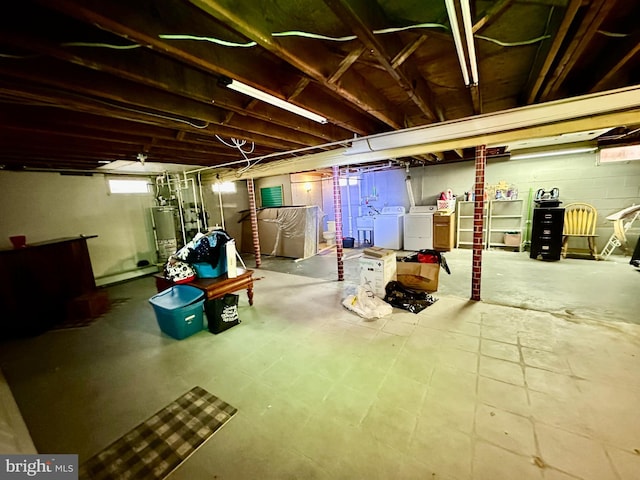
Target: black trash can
{"points": [[347, 242]]}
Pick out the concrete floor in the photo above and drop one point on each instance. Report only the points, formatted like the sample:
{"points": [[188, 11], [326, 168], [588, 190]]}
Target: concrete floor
{"points": [[544, 387]]}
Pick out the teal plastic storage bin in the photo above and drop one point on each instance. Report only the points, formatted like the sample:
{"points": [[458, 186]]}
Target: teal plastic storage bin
{"points": [[179, 310], [205, 270]]}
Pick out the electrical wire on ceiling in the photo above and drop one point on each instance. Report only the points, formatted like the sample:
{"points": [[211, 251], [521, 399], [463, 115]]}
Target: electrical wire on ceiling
{"points": [[297, 33], [20, 57], [513, 44], [238, 144], [613, 34], [293, 33], [103, 45]]}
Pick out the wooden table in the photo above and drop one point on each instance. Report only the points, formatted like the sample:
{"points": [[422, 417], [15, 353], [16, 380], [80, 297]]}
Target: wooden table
{"points": [[215, 287], [40, 282]]}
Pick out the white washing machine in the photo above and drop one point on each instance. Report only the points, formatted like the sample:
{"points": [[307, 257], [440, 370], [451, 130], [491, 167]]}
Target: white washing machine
{"points": [[388, 228], [418, 227]]}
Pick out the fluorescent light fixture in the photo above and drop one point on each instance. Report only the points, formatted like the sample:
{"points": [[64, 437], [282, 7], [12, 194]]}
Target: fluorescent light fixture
{"points": [[224, 187], [275, 101], [468, 33], [457, 39], [553, 153]]}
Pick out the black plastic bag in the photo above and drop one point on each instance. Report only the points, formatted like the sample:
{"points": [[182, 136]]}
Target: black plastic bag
{"points": [[427, 256], [400, 296], [222, 313]]}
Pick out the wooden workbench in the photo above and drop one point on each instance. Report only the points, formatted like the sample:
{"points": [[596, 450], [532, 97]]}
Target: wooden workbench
{"points": [[215, 287]]}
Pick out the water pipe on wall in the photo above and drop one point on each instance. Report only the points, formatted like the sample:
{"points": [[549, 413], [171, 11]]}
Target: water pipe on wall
{"points": [[407, 181], [350, 216]]}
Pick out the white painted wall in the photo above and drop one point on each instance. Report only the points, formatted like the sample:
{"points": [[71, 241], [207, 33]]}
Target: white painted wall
{"points": [[46, 206]]}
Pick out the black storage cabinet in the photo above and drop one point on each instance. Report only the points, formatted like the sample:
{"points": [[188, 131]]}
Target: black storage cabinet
{"points": [[546, 232]]}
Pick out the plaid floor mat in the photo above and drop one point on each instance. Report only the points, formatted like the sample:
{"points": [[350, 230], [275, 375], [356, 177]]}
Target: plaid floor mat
{"points": [[157, 446]]}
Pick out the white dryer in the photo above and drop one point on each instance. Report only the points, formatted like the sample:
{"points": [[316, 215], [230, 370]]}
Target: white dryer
{"points": [[418, 227], [388, 228]]}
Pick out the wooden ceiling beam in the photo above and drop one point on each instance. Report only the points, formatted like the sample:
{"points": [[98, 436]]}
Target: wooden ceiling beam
{"points": [[317, 63], [406, 52], [353, 14], [491, 16], [154, 102], [132, 21], [145, 67], [610, 71], [64, 100], [554, 50], [345, 64], [597, 12], [78, 136]]}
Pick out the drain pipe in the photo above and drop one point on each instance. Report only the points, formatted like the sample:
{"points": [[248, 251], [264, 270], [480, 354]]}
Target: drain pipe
{"points": [[407, 181], [202, 210], [349, 206]]}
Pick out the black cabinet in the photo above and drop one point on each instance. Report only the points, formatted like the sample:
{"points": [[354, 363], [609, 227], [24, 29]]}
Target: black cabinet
{"points": [[546, 233]]}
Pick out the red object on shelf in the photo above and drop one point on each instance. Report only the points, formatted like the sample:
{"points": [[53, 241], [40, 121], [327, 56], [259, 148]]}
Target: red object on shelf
{"points": [[18, 241]]}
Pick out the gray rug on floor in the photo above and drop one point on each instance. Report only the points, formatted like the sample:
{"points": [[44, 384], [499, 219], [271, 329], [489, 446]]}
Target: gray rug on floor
{"points": [[157, 446]]}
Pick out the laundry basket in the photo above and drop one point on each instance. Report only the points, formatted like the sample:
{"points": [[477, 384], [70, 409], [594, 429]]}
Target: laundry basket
{"points": [[179, 310]]}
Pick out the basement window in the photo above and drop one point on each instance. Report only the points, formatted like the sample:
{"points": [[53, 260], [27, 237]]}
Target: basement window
{"points": [[224, 187], [128, 186]]}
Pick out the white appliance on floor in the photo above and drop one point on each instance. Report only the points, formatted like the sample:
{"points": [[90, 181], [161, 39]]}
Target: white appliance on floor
{"points": [[418, 227], [388, 230]]}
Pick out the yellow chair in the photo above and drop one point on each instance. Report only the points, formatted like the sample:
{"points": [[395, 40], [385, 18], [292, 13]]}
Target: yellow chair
{"points": [[580, 221]]}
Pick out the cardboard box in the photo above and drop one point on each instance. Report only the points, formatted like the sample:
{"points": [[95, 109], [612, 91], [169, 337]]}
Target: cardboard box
{"points": [[419, 276], [378, 271], [512, 239]]}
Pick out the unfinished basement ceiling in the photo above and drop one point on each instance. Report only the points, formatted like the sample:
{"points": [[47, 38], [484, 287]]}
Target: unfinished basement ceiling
{"points": [[84, 83]]}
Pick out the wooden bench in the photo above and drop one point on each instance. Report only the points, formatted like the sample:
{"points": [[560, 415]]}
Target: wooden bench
{"points": [[215, 287]]}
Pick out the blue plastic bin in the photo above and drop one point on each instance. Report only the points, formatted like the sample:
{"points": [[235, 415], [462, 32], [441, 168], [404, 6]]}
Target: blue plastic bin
{"points": [[179, 310], [205, 270]]}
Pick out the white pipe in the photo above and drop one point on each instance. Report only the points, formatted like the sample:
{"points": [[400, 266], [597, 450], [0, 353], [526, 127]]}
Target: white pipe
{"points": [[360, 196], [412, 200], [195, 203], [203, 213], [180, 211], [349, 206], [221, 209]]}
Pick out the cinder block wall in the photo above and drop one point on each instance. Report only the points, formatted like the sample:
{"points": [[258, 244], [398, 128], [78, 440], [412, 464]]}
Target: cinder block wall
{"points": [[609, 188]]}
